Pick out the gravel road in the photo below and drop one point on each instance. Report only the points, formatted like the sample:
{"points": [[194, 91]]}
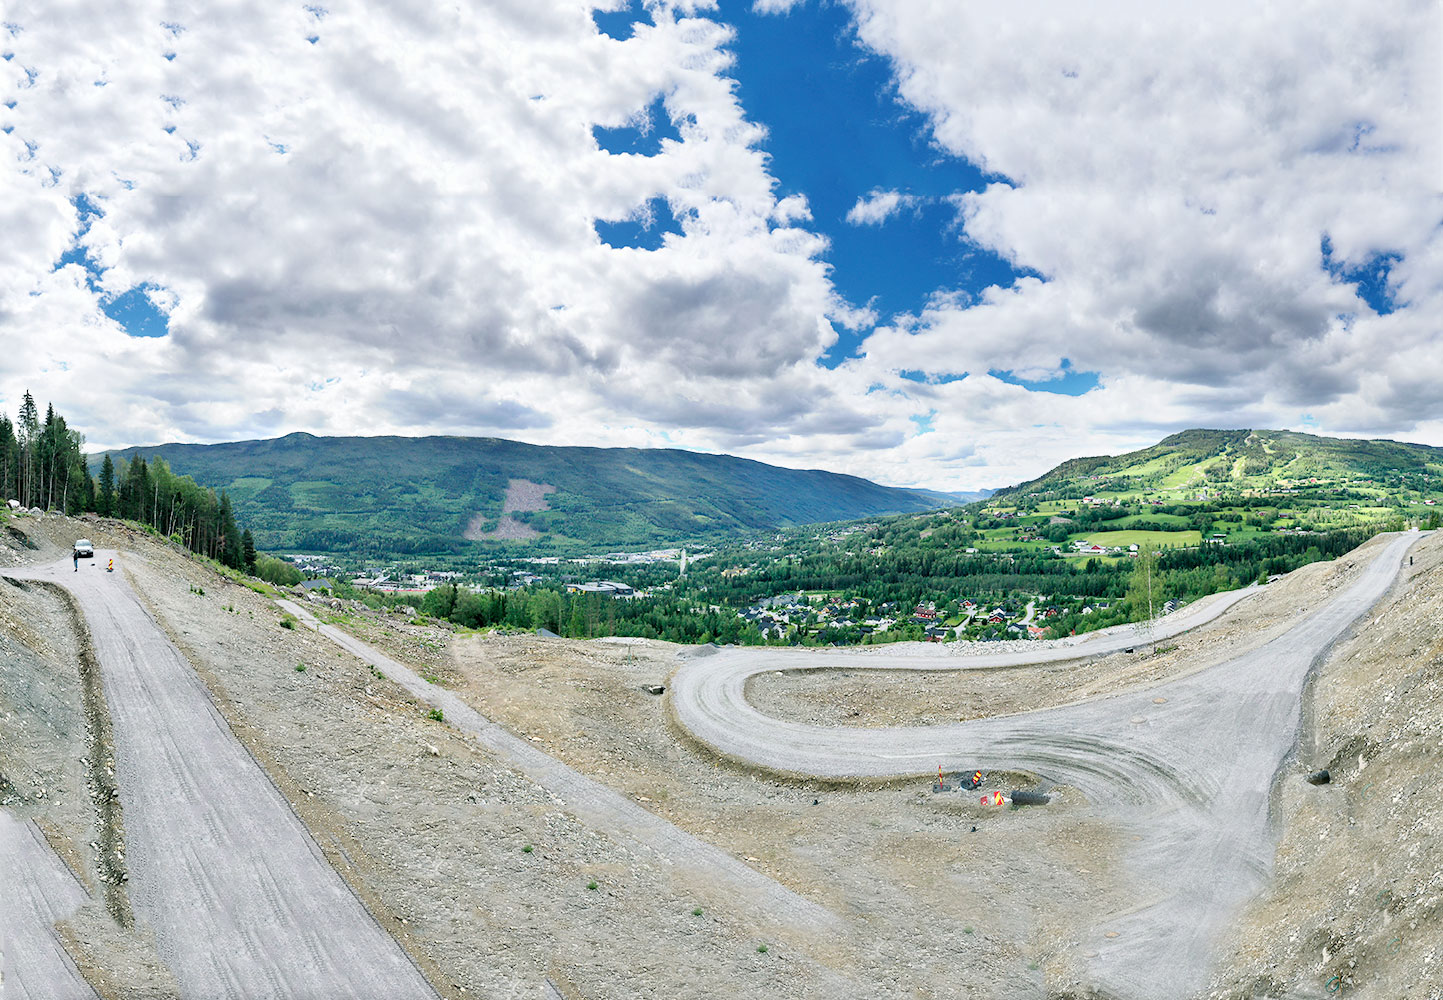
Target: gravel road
{"points": [[241, 900], [1185, 769], [596, 805], [36, 890]]}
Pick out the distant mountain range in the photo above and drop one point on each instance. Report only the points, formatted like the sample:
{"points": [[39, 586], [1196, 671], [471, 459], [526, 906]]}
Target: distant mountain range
{"points": [[1223, 460], [390, 495]]}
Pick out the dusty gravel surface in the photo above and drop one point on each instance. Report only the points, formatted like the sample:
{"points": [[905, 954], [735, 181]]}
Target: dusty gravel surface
{"points": [[36, 892], [1356, 903], [600, 808], [240, 899], [59, 901], [428, 827], [1185, 767], [431, 828]]}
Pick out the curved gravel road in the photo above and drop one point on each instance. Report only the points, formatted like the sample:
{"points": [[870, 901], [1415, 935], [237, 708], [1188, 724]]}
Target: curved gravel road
{"points": [[596, 805], [1185, 767], [242, 901]]}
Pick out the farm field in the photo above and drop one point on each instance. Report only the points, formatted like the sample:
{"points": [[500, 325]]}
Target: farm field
{"points": [[1160, 539]]}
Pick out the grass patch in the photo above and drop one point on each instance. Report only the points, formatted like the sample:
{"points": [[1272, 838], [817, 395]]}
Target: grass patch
{"points": [[527, 849], [1144, 539], [289, 620], [300, 668], [591, 885], [435, 715], [762, 949], [696, 912], [261, 587]]}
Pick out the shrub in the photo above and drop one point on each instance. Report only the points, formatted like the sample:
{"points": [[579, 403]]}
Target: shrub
{"points": [[289, 621], [435, 715]]}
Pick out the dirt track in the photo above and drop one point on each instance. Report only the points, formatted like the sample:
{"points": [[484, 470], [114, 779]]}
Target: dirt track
{"points": [[937, 896], [1185, 768], [36, 891], [241, 901]]}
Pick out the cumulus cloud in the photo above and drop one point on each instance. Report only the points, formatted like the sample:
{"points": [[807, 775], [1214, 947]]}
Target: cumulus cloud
{"points": [[380, 219], [1172, 179], [877, 206]]}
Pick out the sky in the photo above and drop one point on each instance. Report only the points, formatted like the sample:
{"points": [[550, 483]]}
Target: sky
{"points": [[929, 243]]}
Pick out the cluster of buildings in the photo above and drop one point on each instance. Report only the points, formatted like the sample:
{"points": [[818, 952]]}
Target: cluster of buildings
{"points": [[776, 616]]}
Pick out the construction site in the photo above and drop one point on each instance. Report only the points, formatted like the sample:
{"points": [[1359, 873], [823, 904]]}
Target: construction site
{"points": [[209, 792]]}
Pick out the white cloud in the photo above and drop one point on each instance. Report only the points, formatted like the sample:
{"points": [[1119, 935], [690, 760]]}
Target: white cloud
{"points": [[877, 206], [1172, 180], [390, 229]]}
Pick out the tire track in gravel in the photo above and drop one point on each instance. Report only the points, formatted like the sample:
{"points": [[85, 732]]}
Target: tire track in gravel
{"points": [[1186, 767], [36, 891], [598, 806], [240, 898]]}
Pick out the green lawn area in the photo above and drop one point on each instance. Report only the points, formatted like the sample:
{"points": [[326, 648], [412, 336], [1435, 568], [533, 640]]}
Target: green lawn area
{"points": [[1176, 520], [1160, 539]]}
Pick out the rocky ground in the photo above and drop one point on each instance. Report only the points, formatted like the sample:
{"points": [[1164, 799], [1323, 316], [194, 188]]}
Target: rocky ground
{"points": [[1356, 907], [54, 769], [940, 896]]}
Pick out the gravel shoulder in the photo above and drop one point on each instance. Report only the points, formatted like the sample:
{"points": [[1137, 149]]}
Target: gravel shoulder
{"points": [[433, 829], [939, 689], [241, 901], [64, 926], [937, 895], [1355, 906], [1186, 767]]}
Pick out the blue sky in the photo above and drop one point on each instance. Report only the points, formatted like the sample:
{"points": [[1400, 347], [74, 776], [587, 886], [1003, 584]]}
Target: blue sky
{"points": [[836, 133], [495, 219], [132, 308]]}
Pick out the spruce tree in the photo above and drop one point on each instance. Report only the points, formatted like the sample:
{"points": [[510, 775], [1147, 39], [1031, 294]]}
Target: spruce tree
{"points": [[230, 537], [107, 487], [248, 551]]}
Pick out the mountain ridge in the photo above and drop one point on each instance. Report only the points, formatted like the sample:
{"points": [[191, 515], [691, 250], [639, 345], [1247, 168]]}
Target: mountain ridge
{"points": [[397, 494], [1242, 459]]}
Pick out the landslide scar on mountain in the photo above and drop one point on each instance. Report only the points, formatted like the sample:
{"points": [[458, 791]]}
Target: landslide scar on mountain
{"points": [[521, 495]]}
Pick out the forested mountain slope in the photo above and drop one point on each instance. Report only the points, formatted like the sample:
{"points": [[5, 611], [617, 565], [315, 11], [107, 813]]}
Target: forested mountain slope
{"points": [[1221, 460], [433, 494]]}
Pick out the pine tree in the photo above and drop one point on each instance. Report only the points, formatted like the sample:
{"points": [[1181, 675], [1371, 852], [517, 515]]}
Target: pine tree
{"points": [[248, 551], [230, 537], [107, 487], [27, 431], [9, 459]]}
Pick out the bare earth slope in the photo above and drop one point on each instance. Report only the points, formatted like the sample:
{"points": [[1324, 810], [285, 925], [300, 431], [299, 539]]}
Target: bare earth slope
{"points": [[241, 901], [1185, 768], [489, 881], [1355, 907]]}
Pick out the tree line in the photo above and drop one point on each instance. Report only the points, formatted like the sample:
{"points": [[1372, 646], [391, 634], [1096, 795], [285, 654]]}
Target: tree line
{"points": [[43, 465]]}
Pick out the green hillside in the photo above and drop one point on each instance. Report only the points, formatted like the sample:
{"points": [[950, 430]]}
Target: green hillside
{"points": [[1220, 462], [391, 495]]}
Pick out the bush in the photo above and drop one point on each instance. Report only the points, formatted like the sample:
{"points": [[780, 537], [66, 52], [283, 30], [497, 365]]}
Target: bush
{"points": [[277, 571]]}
